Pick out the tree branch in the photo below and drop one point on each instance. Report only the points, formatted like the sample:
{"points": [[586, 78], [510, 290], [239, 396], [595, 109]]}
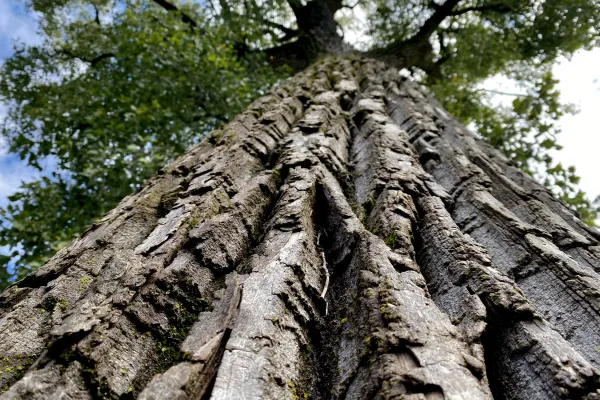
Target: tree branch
{"points": [[417, 51], [288, 32], [171, 7], [296, 6], [500, 8], [316, 34], [440, 14], [99, 58], [352, 6], [97, 17], [92, 61], [334, 5], [503, 93]]}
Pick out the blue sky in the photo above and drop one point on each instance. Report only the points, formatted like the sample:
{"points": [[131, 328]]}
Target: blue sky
{"points": [[15, 23]]}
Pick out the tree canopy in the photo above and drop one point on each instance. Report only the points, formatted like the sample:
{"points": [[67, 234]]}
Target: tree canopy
{"points": [[119, 88]]}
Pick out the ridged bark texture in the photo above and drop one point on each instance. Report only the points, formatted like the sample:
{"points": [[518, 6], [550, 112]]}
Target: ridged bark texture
{"points": [[343, 238]]}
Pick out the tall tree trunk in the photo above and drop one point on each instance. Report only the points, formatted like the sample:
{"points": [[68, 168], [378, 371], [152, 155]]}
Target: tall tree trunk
{"points": [[343, 238]]}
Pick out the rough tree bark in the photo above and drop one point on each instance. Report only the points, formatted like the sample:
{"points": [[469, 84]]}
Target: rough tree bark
{"points": [[343, 238]]}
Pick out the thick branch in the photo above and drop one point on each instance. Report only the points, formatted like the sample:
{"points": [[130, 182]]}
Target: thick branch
{"points": [[97, 15], [296, 6], [441, 12], [352, 6], [316, 33], [288, 32], [417, 51], [334, 5]]}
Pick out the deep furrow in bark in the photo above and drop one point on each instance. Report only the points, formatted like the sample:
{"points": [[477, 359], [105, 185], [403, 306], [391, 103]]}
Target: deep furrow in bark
{"points": [[371, 314], [393, 339], [275, 349], [128, 271], [203, 347], [526, 357], [542, 364], [268, 352]]}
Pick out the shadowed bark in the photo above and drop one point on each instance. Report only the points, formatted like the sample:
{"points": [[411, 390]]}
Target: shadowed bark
{"points": [[342, 238]]}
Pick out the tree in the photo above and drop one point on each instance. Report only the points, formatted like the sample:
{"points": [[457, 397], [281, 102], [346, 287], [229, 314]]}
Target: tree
{"points": [[343, 237], [119, 88]]}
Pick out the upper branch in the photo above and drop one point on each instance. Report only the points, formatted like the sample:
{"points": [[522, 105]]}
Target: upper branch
{"points": [[351, 7], [296, 6], [503, 93], [99, 58], [417, 51], [300, 10], [440, 14], [316, 34]]}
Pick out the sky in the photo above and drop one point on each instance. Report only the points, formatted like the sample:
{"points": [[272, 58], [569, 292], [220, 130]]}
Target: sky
{"points": [[15, 23], [579, 84], [580, 137]]}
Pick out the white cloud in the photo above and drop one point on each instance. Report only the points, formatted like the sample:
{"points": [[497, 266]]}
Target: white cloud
{"points": [[16, 23], [580, 137]]}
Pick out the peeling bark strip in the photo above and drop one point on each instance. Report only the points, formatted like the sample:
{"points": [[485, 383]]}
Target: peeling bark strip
{"points": [[343, 238]]}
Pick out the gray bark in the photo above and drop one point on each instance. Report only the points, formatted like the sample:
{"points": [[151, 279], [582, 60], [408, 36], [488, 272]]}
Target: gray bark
{"points": [[343, 238]]}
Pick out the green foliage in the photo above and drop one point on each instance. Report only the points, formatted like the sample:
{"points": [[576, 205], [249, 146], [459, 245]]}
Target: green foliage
{"points": [[112, 102]]}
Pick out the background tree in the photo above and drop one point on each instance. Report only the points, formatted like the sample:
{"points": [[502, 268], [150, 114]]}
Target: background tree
{"points": [[343, 237]]}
